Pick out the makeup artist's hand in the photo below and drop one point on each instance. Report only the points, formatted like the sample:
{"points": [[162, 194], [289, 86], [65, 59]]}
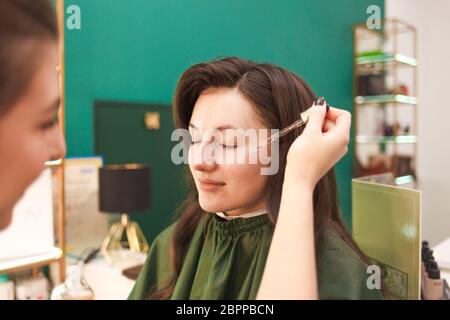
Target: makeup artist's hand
{"points": [[322, 144]]}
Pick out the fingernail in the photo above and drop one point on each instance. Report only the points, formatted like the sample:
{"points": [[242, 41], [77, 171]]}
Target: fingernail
{"points": [[319, 101]]}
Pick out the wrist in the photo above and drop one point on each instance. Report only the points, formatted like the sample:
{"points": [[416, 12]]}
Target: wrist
{"points": [[293, 177]]}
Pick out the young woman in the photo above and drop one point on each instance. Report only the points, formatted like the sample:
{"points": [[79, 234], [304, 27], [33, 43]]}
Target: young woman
{"points": [[244, 235], [29, 97]]}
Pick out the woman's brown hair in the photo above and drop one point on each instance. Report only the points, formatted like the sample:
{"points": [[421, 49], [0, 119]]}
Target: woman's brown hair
{"points": [[24, 26], [279, 96]]}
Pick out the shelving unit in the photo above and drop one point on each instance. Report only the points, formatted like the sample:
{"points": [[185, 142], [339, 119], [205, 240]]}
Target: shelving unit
{"points": [[385, 100], [31, 262], [56, 254], [389, 59], [361, 139]]}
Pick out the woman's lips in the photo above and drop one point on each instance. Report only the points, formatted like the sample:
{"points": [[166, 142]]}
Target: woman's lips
{"points": [[209, 184]]}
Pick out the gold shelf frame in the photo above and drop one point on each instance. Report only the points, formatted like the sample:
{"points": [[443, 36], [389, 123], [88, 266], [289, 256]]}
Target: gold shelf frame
{"points": [[392, 27]]}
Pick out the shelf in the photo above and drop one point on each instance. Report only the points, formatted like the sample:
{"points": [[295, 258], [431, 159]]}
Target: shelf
{"points": [[361, 139], [388, 28], [13, 265], [382, 99], [402, 180], [387, 59]]}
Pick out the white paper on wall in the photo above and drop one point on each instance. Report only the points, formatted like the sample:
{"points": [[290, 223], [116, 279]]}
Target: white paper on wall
{"points": [[31, 229], [86, 226]]}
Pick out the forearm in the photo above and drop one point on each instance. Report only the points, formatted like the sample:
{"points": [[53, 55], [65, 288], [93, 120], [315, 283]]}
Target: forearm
{"points": [[290, 271]]}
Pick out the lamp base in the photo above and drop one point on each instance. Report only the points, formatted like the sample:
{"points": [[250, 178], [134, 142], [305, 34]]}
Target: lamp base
{"points": [[124, 237]]}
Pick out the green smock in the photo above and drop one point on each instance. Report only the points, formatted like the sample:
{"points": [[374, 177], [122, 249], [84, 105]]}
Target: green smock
{"points": [[226, 259]]}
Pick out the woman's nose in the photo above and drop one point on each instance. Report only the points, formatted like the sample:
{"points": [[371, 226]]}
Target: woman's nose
{"points": [[201, 157], [58, 147]]}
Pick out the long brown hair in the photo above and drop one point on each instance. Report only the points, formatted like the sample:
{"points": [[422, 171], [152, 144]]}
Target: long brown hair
{"points": [[24, 25], [279, 96]]}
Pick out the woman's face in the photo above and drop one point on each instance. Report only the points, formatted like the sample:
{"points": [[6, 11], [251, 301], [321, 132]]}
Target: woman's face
{"points": [[225, 186], [29, 134]]}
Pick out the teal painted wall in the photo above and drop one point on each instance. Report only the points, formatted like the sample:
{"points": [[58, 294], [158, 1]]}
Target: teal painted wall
{"points": [[135, 51]]}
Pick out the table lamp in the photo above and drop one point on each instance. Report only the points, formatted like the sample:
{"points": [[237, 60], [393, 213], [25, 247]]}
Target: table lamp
{"points": [[124, 189]]}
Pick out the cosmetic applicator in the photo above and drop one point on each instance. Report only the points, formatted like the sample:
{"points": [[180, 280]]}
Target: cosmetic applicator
{"points": [[304, 116]]}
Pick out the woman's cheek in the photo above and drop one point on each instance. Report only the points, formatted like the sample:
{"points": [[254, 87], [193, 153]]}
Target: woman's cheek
{"points": [[242, 173], [36, 154]]}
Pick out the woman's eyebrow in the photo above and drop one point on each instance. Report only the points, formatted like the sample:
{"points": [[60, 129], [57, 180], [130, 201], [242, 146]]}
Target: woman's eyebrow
{"points": [[224, 127]]}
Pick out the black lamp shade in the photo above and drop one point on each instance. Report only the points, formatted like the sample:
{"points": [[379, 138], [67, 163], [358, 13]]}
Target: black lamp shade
{"points": [[124, 188]]}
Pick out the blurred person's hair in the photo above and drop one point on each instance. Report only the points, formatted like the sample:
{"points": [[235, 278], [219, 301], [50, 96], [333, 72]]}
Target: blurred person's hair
{"points": [[25, 26]]}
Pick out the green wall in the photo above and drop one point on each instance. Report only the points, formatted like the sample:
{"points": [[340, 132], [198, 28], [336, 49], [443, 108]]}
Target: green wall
{"points": [[135, 50]]}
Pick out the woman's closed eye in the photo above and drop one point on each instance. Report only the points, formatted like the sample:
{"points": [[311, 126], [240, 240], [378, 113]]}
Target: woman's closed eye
{"points": [[226, 145], [232, 146], [49, 124]]}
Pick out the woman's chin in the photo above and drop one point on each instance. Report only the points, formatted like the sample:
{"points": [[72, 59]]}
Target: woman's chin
{"points": [[211, 206], [5, 218]]}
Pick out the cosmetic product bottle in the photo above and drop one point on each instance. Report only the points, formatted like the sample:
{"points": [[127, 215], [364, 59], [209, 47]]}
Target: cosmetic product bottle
{"points": [[427, 257], [434, 285], [430, 263], [75, 286], [6, 288]]}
